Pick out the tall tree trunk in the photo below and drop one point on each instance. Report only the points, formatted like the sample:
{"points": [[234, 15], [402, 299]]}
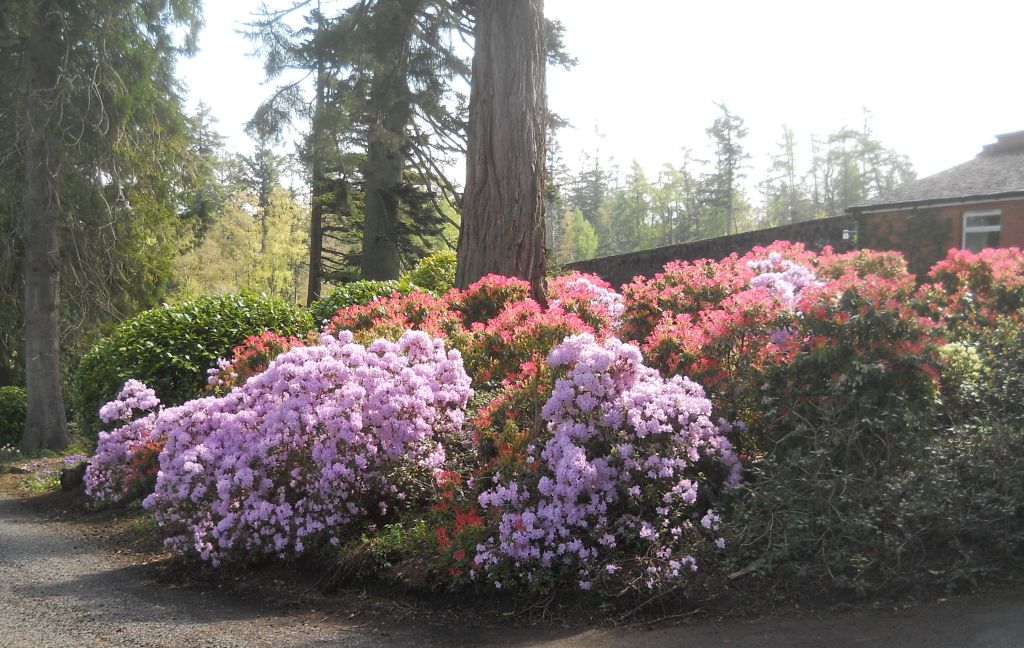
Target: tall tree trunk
{"points": [[45, 422], [503, 205], [317, 186], [387, 139]]}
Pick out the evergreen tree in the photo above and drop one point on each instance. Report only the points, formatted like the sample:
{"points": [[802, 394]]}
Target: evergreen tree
{"points": [[785, 197], [855, 167], [260, 174], [629, 209], [675, 205], [103, 166], [722, 186], [588, 192], [382, 125]]}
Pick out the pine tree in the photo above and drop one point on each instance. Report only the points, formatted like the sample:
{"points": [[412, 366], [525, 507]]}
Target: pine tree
{"points": [[382, 124], [727, 133], [785, 197], [105, 159]]}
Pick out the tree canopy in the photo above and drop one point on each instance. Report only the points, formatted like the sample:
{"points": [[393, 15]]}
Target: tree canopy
{"points": [[96, 176]]}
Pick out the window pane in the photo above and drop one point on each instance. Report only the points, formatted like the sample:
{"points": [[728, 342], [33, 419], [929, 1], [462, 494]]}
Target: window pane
{"points": [[982, 221], [977, 241]]}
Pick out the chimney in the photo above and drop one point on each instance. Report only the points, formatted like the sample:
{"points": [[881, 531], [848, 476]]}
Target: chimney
{"points": [[1005, 143]]}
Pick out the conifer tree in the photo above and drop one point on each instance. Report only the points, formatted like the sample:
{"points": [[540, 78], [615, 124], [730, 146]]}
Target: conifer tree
{"points": [[104, 157]]}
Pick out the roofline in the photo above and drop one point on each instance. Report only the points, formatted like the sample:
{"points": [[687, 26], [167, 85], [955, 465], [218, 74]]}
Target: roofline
{"points": [[935, 202]]}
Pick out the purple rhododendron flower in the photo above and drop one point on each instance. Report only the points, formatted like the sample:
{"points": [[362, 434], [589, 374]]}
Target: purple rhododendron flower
{"points": [[297, 452], [616, 469]]}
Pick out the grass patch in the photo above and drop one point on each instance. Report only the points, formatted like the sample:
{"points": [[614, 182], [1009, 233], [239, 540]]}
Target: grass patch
{"points": [[400, 553]]}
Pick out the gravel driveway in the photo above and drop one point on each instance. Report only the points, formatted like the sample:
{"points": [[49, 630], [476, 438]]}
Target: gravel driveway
{"points": [[59, 588]]}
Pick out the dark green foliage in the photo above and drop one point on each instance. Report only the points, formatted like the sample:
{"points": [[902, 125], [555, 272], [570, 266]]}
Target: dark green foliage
{"points": [[951, 518], [12, 415], [893, 498], [1001, 350], [357, 292], [435, 273], [170, 348], [960, 381], [377, 177]]}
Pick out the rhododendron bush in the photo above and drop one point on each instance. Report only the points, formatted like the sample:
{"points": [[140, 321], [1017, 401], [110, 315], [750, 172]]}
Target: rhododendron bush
{"points": [[783, 337], [617, 478], [522, 332], [328, 434], [603, 431], [968, 291], [124, 463]]}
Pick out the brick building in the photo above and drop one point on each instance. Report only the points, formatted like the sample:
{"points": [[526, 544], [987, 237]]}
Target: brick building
{"points": [[973, 205]]}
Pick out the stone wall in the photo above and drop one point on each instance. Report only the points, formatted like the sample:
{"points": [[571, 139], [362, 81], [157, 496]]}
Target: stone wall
{"points": [[815, 234]]}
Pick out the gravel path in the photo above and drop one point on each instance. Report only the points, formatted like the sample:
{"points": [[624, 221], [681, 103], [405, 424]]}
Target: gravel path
{"points": [[58, 588]]}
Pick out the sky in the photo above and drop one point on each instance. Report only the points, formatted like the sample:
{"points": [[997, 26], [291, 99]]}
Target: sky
{"points": [[940, 78]]}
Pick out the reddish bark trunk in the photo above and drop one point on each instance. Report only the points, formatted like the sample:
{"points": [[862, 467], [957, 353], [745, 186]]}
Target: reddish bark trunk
{"points": [[503, 205]]}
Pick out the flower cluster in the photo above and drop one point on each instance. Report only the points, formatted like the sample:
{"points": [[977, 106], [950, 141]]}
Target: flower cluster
{"points": [[588, 296], [522, 332], [390, 317], [782, 278], [134, 397], [249, 358], [459, 526], [860, 356], [124, 461], [726, 349], [487, 297], [969, 291], [618, 471], [326, 435], [682, 287]]}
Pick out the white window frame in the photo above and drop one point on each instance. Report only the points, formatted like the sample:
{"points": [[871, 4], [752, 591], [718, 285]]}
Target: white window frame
{"points": [[976, 229]]}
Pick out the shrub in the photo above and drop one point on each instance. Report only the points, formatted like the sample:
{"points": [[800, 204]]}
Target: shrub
{"points": [[859, 362], [951, 517], [487, 297], [615, 494], [1000, 351], [170, 348], [960, 380], [862, 263], [13, 406], [588, 296], [505, 424], [851, 417], [689, 287], [390, 317], [124, 465], [522, 332], [968, 291], [684, 287], [328, 435], [249, 358], [435, 272], [728, 349], [360, 292]]}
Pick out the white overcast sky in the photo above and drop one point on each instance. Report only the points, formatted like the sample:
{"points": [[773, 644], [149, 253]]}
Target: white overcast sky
{"points": [[941, 78]]}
